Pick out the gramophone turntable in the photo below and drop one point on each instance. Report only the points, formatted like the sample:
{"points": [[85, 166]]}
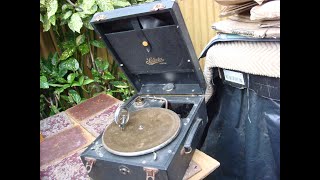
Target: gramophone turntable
{"points": [[155, 132]]}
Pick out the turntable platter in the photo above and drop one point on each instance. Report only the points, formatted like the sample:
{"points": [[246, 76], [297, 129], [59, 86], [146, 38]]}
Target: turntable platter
{"points": [[147, 130]]}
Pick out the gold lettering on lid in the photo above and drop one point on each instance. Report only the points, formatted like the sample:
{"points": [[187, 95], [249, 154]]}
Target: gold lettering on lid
{"points": [[153, 61]]}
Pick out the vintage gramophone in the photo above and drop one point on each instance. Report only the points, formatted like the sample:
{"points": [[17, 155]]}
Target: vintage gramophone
{"points": [[155, 132]]}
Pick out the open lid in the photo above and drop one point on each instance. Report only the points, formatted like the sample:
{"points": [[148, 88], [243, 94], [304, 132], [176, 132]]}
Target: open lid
{"points": [[152, 45]]}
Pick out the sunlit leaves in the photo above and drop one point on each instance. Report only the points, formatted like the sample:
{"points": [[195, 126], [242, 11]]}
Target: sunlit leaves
{"points": [[44, 82], [119, 84], [75, 23], [97, 43], [52, 7], [70, 64]]}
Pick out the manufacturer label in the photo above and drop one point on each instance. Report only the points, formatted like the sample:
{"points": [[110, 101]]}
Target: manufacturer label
{"points": [[234, 77], [152, 61]]}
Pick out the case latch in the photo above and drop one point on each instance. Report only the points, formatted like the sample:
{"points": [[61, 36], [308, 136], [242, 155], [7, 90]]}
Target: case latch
{"points": [[150, 173], [89, 164]]}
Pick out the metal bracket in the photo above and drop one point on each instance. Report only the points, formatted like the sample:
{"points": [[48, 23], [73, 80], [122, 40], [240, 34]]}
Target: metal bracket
{"points": [[139, 101], [121, 116], [187, 149], [168, 87], [158, 6], [89, 164], [150, 173], [124, 170], [100, 17], [157, 98]]}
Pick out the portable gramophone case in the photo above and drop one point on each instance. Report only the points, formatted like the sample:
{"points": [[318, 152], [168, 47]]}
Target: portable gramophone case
{"points": [[155, 132]]}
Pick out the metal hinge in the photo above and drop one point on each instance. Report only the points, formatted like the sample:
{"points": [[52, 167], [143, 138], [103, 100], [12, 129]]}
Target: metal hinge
{"points": [[158, 6], [100, 17], [150, 173]]}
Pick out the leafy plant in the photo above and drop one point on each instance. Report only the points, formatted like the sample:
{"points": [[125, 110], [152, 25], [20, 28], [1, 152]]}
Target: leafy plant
{"points": [[61, 83], [74, 71]]}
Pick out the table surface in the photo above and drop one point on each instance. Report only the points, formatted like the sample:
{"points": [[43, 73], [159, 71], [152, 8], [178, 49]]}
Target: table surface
{"points": [[64, 136]]}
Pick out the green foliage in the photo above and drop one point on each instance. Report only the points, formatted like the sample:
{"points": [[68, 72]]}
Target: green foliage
{"points": [[70, 64], [105, 5], [80, 39], [78, 15], [74, 72], [67, 53], [84, 49], [75, 96], [46, 22], [119, 84], [57, 84], [75, 22], [52, 7], [101, 64], [66, 15], [120, 3], [43, 82], [97, 43]]}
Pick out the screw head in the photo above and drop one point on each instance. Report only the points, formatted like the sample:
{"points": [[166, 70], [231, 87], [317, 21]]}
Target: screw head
{"points": [[145, 43]]}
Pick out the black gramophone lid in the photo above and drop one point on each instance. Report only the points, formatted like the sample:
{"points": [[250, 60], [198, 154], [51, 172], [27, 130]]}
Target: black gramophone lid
{"points": [[153, 48]]}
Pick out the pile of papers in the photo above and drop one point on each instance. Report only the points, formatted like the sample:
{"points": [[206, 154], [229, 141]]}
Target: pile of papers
{"points": [[250, 18]]}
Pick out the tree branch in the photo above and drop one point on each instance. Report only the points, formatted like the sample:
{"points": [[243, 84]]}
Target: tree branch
{"points": [[77, 8], [91, 55]]}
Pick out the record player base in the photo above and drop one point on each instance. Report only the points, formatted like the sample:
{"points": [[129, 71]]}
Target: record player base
{"points": [[68, 165]]}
